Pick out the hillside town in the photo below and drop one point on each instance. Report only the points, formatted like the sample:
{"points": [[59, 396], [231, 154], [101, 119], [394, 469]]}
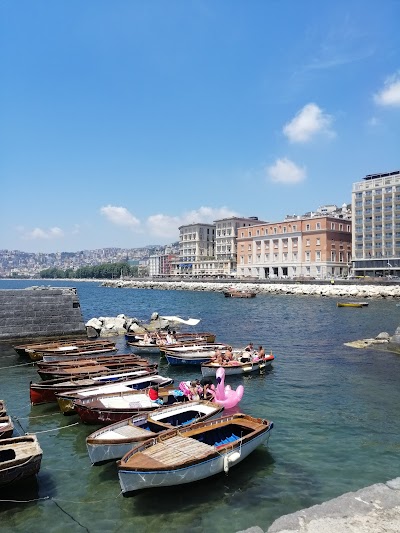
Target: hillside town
{"points": [[357, 239]]}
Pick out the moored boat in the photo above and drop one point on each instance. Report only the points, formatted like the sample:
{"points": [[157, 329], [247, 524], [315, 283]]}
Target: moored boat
{"points": [[71, 350], [193, 355], [6, 427], [189, 454], [45, 391], [239, 293], [233, 368], [3, 408], [92, 370], [114, 441], [116, 407], [21, 349], [66, 399], [20, 457], [352, 304]]}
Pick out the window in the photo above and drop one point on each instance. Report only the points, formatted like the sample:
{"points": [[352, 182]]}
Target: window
{"points": [[318, 225], [318, 256], [307, 227], [307, 242], [284, 229], [307, 256], [318, 241], [333, 225], [340, 227], [294, 227]]}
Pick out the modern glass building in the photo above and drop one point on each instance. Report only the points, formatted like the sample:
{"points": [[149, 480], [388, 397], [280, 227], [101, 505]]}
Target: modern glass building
{"points": [[376, 225]]}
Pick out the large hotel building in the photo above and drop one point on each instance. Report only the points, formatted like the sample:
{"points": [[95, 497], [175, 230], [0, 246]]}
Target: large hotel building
{"points": [[376, 228]]}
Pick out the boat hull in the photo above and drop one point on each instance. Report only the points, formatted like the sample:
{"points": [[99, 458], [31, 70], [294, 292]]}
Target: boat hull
{"points": [[114, 441], [25, 459], [131, 481], [209, 370]]}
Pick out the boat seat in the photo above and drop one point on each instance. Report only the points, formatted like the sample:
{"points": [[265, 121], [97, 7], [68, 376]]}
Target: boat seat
{"points": [[133, 431]]}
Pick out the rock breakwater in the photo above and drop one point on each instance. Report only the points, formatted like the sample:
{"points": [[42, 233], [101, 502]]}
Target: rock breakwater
{"points": [[336, 290]]}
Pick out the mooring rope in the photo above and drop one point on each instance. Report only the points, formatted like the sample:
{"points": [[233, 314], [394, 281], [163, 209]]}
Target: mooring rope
{"points": [[14, 366], [57, 429]]}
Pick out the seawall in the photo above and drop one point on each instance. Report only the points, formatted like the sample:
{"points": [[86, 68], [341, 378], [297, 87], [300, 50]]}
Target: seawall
{"points": [[40, 312], [336, 290]]}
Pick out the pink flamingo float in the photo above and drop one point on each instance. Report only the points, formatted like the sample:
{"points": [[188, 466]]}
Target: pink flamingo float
{"points": [[223, 394]]}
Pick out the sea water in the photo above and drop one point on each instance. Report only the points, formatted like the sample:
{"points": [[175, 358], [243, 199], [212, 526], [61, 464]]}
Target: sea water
{"points": [[334, 408]]}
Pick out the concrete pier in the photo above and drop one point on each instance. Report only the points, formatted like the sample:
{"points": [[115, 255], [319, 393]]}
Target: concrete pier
{"points": [[40, 312], [374, 509]]}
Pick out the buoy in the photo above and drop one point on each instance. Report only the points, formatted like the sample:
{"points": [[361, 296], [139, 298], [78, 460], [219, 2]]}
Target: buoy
{"points": [[230, 459]]}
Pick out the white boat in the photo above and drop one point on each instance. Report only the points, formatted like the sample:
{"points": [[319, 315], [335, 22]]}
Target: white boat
{"points": [[189, 454], [237, 367], [141, 346], [193, 355], [66, 399], [114, 441]]}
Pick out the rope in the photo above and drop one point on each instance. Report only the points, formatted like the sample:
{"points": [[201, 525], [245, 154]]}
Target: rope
{"points": [[26, 501], [39, 416], [14, 366], [57, 429]]}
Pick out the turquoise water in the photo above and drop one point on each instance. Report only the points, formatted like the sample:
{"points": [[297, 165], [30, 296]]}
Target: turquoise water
{"points": [[335, 411]]}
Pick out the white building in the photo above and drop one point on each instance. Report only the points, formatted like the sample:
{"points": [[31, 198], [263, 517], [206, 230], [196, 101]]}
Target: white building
{"points": [[376, 225]]}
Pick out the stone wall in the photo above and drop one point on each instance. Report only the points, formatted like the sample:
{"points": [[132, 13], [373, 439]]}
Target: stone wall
{"points": [[40, 312]]}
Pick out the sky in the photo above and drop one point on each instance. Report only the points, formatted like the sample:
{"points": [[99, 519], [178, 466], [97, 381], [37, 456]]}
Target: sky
{"points": [[123, 120]]}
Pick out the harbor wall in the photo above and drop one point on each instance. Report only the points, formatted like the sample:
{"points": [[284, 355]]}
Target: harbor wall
{"points": [[335, 290], [40, 312]]}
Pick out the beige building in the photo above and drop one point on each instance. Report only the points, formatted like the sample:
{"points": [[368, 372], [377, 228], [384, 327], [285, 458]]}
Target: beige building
{"points": [[210, 250], [315, 246]]}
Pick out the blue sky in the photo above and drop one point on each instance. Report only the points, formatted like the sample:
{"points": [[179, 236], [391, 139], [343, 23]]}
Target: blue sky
{"points": [[122, 120]]}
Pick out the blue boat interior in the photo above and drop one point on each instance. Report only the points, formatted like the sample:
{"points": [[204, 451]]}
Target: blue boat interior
{"points": [[222, 435], [182, 419]]}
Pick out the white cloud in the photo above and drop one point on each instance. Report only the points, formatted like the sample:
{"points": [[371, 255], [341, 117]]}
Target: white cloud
{"points": [[120, 216], [285, 171], [161, 225], [307, 123], [43, 234], [389, 95], [167, 227]]}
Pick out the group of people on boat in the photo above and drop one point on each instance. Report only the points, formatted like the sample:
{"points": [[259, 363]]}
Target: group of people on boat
{"points": [[197, 389], [248, 354]]}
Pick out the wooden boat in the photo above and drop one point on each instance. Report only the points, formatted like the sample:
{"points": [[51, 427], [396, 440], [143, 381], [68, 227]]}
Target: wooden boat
{"points": [[180, 336], [92, 370], [239, 293], [21, 349], [114, 441], [6, 427], [189, 454], [70, 350], [100, 360], [45, 391], [116, 407], [352, 304], [66, 399], [141, 346], [233, 368], [3, 408], [20, 457], [193, 355]]}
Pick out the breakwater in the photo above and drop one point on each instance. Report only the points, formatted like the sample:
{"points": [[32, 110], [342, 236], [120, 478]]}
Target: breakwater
{"points": [[335, 290]]}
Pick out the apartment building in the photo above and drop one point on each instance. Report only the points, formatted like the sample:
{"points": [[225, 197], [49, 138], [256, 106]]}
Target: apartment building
{"points": [[376, 225], [209, 250], [196, 244], [162, 265], [314, 246]]}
